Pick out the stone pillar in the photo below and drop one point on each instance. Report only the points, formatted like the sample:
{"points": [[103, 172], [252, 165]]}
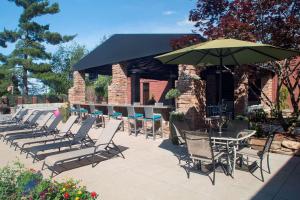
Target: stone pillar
{"points": [[77, 92], [192, 100], [240, 90], [118, 89], [267, 90]]}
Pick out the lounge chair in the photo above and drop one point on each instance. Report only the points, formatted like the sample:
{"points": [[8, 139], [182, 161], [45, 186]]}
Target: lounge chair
{"points": [[57, 135], [18, 125], [47, 129], [104, 144], [80, 138], [13, 118], [26, 125], [35, 125]]}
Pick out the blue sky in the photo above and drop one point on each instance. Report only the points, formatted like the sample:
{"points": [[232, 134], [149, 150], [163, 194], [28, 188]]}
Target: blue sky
{"points": [[93, 19]]}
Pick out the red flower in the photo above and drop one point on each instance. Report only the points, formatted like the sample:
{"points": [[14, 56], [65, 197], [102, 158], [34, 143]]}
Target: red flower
{"points": [[66, 195], [93, 194]]}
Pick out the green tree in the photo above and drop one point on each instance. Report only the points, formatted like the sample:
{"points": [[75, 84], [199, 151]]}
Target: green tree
{"points": [[30, 56], [101, 85], [61, 64]]}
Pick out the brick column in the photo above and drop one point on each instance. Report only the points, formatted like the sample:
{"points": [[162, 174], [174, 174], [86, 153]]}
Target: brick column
{"points": [[267, 90], [117, 91], [240, 90], [77, 92], [192, 100]]}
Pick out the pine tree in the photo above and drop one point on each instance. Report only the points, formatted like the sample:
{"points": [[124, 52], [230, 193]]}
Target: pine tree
{"points": [[30, 55]]}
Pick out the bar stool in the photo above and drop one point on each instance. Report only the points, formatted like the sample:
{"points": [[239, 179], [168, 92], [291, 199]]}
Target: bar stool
{"points": [[153, 117], [98, 114], [132, 115], [112, 113]]}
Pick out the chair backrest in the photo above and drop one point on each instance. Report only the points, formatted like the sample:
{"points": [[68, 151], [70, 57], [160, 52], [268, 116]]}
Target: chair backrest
{"points": [[53, 122], [269, 141], [44, 118], [180, 127], [110, 110], [136, 103], [28, 116], [109, 132], [130, 111], [92, 107], [21, 114], [159, 104], [18, 110], [34, 118], [69, 123], [237, 125], [148, 112], [84, 129], [199, 145]]}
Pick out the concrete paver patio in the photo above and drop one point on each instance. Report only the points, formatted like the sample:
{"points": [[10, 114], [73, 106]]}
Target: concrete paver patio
{"points": [[150, 170]]}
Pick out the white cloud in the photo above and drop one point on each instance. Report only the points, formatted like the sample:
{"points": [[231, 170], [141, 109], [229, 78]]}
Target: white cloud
{"points": [[185, 22], [169, 12]]}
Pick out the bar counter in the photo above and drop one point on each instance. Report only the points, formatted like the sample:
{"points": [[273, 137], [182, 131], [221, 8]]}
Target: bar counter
{"points": [[163, 110]]}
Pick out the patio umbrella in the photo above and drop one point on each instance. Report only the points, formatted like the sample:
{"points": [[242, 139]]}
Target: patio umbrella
{"points": [[222, 52]]}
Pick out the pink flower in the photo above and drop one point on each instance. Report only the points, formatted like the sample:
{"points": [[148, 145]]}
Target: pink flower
{"points": [[93, 195]]}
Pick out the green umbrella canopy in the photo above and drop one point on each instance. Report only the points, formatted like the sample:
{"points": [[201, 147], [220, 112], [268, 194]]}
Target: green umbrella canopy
{"points": [[226, 52]]}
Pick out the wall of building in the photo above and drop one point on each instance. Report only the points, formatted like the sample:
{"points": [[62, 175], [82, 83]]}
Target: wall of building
{"points": [[77, 92], [157, 89]]}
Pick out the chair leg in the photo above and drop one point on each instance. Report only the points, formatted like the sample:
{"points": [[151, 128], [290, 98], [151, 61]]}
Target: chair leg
{"points": [[261, 171], [153, 129], [135, 127], [129, 127], [214, 173], [268, 163]]}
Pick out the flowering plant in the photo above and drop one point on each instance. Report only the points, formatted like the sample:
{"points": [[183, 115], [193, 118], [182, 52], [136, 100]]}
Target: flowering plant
{"points": [[16, 182]]}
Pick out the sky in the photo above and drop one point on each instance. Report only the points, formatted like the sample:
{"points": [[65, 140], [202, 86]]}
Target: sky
{"points": [[91, 20]]}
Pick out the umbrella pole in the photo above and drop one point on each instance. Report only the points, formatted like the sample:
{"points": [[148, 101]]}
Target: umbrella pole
{"points": [[220, 94]]}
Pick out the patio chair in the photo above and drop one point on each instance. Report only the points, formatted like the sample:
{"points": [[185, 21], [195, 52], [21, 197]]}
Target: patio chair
{"points": [[80, 138], [200, 149], [257, 155], [179, 127], [153, 118], [133, 116], [103, 145], [27, 117], [52, 136], [98, 114]]}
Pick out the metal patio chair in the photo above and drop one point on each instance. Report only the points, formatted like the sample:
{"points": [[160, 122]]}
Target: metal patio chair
{"points": [[153, 118], [133, 117]]}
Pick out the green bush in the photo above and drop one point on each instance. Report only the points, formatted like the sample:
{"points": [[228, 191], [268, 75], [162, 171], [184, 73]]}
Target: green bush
{"points": [[101, 85], [174, 116], [173, 94], [18, 183]]}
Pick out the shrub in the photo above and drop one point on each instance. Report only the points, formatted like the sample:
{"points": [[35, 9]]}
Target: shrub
{"points": [[16, 182], [173, 94], [174, 116]]}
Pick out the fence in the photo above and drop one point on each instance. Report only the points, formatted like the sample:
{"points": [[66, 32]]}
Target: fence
{"points": [[13, 100]]}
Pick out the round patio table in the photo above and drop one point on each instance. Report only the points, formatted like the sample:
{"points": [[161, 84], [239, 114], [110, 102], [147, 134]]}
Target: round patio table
{"points": [[231, 138], [220, 121]]}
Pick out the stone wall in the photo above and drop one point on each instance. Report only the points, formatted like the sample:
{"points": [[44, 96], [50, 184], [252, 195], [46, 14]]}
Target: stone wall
{"points": [[118, 89], [77, 92], [192, 100], [240, 90], [267, 90]]}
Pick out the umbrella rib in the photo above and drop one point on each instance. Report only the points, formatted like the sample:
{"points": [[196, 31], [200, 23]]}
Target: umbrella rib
{"points": [[176, 57], [265, 54], [232, 55], [204, 55]]}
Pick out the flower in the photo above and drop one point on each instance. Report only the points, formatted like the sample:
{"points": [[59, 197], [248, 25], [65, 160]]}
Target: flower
{"points": [[66, 195], [64, 189], [79, 192], [77, 198], [93, 194]]}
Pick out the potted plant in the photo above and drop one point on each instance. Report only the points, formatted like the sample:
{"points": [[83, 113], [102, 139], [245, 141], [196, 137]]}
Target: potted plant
{"points": [[173, 93]]}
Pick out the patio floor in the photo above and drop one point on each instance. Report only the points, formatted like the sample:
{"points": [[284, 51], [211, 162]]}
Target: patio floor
{"points": [[150, 170]]}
